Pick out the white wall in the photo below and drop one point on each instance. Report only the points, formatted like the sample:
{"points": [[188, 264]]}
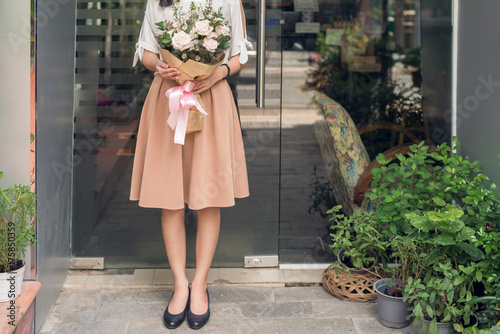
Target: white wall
{"points": [[15, 91]]}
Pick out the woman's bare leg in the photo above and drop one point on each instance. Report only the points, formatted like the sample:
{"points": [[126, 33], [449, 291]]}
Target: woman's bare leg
{"points": [[207, 234], [174, 236]]}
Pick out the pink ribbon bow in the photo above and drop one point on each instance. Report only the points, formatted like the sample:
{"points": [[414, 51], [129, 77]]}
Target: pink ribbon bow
{"points": [[180, 101]]}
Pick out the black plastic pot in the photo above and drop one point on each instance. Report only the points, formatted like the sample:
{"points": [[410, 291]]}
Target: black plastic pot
{"points": [[392, 311]]}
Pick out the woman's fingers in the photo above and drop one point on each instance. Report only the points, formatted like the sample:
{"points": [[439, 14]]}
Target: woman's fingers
{"points": [[201, 85], [167, 72], [161, 66]]}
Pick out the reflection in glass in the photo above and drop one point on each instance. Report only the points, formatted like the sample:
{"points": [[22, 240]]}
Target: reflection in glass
{"points": [[366, 56]]}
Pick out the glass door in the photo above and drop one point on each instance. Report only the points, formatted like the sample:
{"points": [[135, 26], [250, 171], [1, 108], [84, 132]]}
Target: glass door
{"points": [[108, 101], [364, 55]]}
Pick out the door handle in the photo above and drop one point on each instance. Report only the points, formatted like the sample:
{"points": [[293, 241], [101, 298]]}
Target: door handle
{"points": [[261, 55]]}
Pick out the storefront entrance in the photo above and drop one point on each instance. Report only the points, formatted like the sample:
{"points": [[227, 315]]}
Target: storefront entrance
{"points": [[278, 224]]}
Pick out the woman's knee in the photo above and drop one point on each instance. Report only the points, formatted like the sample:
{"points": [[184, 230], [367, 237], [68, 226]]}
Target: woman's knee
{"points": [[166, 213], [211, 211]]}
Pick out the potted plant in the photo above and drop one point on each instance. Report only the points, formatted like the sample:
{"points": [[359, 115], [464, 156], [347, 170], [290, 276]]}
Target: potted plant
{"points": [[356, 241], [436, 200], [393, 311], [17, 209], [358, 245], [441, 294]]}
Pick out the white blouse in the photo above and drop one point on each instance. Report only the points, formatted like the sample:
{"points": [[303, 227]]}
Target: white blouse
{"points": [[231, 9]]}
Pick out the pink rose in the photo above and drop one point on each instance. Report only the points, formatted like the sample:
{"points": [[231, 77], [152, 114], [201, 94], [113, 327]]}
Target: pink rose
{"points": [[203, 27], [210, 44], [222, 30], [182, 41]]}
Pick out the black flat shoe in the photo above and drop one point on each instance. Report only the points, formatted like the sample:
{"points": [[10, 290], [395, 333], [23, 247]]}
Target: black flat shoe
{"points": [[173, 321], [196, 321]]}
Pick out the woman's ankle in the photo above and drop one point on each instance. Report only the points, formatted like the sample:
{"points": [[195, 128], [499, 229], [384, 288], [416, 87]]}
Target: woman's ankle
{"points": [[199, 284], [181, 284]]}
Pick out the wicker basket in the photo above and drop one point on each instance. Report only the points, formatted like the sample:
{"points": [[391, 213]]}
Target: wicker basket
{"points": [[352, 287]]}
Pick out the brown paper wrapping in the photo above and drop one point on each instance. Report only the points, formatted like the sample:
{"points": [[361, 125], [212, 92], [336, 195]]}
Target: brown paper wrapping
{"points": [[191, 70], [195, 118]]}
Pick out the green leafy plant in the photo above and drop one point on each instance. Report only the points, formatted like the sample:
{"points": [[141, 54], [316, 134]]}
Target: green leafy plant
{"points": [[446, 286], [443, 296], [475, 330], [444, 228], [411, 183], [489, 317], [433, 207], [357, 237], [17, 208], [408, 260], [488, 239]]}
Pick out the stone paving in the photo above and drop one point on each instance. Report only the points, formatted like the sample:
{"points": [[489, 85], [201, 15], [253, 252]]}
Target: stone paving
{"points": [[235, 308]]}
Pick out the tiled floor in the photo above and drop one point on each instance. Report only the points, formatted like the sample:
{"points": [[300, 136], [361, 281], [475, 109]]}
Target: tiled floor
{"points": [[263, 301]]}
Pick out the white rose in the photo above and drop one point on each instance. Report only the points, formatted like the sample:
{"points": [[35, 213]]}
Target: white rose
{"points": [[210, 44], [222, 30], [182, 41], [213, 35], [203, 27]]}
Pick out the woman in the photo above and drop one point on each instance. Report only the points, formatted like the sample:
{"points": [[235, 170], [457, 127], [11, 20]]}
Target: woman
{"points": [[206, 173]]}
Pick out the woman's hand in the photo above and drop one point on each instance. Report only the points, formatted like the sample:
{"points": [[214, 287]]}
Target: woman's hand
{"points": [[204, 84], [167, 72]]}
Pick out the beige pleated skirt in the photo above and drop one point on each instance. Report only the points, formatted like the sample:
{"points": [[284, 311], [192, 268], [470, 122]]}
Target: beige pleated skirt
{"points": [[209, 170]]}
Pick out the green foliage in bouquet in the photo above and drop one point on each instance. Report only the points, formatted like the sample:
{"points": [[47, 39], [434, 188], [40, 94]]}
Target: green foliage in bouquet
{"points": [[201, 34]]}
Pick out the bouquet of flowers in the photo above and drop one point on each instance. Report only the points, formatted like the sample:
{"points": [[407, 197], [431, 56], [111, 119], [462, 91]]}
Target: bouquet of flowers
{"points": [[194, 43], [196, 40]]}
